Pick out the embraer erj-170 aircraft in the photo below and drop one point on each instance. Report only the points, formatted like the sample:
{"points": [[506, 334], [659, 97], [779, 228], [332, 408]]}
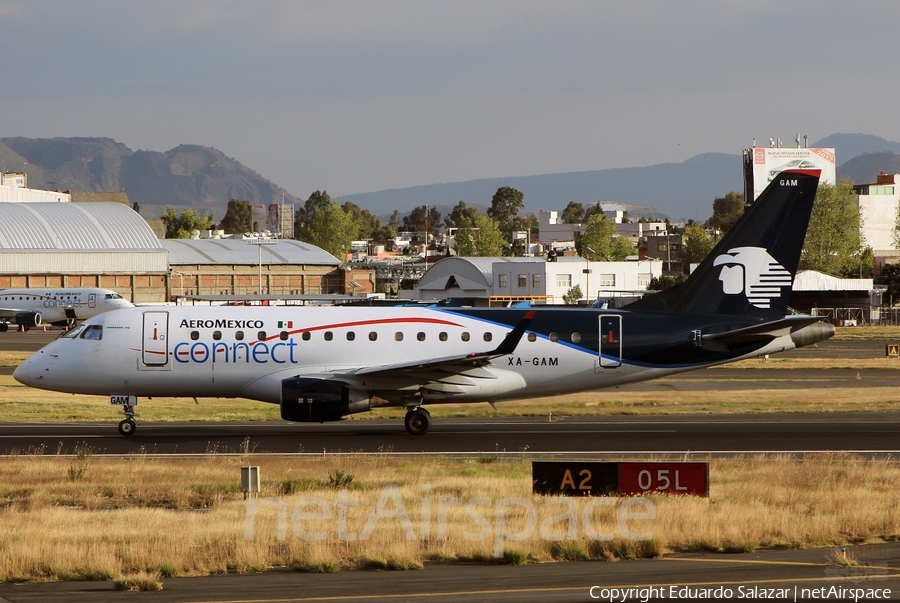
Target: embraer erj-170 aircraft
{"points": [[323, 363], [61, 307]]}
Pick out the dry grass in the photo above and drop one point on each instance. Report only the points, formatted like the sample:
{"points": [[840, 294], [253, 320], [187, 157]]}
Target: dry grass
{"points": [[169, 517]]}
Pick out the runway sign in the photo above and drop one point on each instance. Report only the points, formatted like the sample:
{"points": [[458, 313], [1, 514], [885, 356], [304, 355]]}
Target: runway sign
{"points": [[893, 350], [587, 478]]}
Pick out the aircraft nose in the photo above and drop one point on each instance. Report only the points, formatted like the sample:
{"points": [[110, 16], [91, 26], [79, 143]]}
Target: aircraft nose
{"points": [[22, 374], [32, 371]]}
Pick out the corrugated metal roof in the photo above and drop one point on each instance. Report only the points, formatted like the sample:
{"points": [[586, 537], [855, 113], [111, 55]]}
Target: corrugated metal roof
{"points": [[190, 252], [811, 280], [75, 227]]}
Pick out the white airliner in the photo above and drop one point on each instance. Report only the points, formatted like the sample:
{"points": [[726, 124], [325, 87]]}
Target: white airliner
{"points": [[323, 363], [34, 307]]}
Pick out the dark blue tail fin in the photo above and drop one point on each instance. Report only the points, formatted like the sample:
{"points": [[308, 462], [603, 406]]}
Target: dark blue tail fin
{"points": [[751, 270]]}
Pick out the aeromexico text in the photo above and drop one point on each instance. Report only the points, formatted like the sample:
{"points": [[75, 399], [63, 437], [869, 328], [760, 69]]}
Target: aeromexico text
{"points": [[221, 323]]}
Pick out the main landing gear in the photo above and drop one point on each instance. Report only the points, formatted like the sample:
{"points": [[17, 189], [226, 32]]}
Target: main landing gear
{"points": [[127, 426], [418, 420]]}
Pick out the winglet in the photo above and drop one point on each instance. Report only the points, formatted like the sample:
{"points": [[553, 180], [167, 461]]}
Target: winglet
{"points": [[508, 345]]}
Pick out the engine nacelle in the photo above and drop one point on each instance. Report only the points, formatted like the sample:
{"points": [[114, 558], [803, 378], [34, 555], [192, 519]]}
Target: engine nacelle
{"points": [[28, 319], [307, 400]]}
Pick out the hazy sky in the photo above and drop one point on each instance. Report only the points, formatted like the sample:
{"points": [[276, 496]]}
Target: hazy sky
{"points": [[356, 96]]}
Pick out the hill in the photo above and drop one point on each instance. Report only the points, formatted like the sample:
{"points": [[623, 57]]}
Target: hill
{"points": [[205, 178], [186, 176], [678, 190]]}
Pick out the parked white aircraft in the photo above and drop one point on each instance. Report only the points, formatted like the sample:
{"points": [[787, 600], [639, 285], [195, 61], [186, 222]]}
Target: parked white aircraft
{"points": [[323, 363], [64, 306]]}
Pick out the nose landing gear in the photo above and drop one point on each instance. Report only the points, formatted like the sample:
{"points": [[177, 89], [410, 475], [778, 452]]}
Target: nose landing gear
{"points": [[128, 426]]}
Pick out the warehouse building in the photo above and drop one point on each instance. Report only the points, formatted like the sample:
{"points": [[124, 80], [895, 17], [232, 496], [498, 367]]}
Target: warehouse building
{"points": [[81, 245], [235, 267], [108, 245]]}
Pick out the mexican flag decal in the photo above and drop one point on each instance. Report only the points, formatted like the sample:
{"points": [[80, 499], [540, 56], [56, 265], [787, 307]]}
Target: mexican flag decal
{"points": [[285, 325]]}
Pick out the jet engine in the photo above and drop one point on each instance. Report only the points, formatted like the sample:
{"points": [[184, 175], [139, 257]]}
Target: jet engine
{"points": [[309, 400], [28, 319]]}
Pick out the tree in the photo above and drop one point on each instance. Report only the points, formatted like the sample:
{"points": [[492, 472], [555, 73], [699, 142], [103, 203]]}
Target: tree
{"points": [[365, 223], [317, 201], [571, 297], [697, 245], [238, 217], [890, 277], [480, 238], [180, 226], [573, 213], [460, 214], [423, 216], [833, 242], [726, 211], [331, 228], [506, 204], [665, 281], [599, 242]]}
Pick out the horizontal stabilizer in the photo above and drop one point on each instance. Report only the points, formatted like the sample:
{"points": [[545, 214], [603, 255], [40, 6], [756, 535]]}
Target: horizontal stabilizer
{"points": [[760, 332]]}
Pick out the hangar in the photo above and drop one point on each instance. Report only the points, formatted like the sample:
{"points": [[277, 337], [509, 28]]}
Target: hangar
{"points": [[235, 267], [81, 245], [109, 245]]}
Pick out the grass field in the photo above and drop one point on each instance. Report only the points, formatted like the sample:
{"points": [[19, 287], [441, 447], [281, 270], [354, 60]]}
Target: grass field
{"points": [[105, 518]]}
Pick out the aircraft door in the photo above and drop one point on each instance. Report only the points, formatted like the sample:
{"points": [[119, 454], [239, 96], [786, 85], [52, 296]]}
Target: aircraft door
{"points": [[92, 300], [155, 342], [610, 341]]}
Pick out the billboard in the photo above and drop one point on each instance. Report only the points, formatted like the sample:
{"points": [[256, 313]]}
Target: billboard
{"points": [[267, 217], [768, 162]]}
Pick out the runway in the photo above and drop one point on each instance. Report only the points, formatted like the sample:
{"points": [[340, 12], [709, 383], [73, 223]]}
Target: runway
{"points": [[864, 433]]}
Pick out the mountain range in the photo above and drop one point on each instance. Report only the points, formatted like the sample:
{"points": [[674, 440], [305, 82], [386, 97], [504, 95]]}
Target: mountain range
{"points": [[205, 178]]}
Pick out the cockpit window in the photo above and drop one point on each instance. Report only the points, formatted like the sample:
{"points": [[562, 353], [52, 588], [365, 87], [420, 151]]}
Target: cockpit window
{"points": [[74, 332], [113, 296], [93, 332]]}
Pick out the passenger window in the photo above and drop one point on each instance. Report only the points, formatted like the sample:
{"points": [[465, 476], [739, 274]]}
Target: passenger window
{"points": [[195, 335], [283, 336], [420, 336], [488, 336], [351, 335], [532, 337], [398, 336], [554, 336], [373, 335], [442, 336], [217, 335], [576, 337], [94, 332], [261, 336], [464, 336], [306, 336], [239, 335], [329, 335]]}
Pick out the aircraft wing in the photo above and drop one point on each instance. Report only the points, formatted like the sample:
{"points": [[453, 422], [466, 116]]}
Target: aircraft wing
{"points": [[11, 312], [451, 364]]}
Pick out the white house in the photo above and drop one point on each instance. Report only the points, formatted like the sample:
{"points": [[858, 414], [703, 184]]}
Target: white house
{"points": [[511, 279]]}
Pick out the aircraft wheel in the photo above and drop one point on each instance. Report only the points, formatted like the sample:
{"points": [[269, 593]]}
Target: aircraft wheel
{"points": [[4, 327], [418, 421], [127, 427]]}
